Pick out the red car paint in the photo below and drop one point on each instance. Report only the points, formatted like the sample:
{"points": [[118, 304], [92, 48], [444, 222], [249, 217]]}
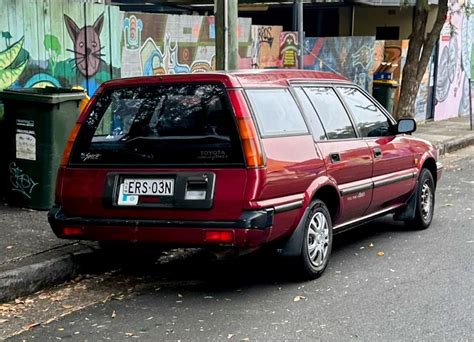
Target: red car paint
{"points": [[296, 170]]}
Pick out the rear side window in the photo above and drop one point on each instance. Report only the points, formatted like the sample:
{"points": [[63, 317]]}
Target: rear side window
{"points": [[165, 124], [334, 117], [277, 112], [371, 122]]}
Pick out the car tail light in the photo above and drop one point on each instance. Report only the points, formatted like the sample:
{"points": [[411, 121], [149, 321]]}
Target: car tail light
{"points": [[70, 142], [220, 236], [72, 231], [248, 134]]}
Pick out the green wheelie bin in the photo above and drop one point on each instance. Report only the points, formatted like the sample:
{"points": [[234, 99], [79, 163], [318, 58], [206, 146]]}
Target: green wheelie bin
{"points": [[37, 123], [384, 91]]}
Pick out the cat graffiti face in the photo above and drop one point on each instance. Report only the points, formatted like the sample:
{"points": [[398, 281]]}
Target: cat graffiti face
{"points": [[87, 47]]}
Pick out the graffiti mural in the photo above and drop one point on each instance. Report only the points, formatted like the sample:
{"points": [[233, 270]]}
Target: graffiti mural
{"points": [[156, 44], [352, 57], [289, 50], [265, 46], [11, 66], [454, 62], [20, 181], [69, 44], [86, 45]]}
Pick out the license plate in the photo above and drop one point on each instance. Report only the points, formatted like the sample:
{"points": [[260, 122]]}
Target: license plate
{"points": [[148, 187]]}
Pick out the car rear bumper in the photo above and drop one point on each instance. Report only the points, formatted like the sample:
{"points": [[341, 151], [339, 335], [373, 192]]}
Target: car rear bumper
{"points": [[250, 230]]}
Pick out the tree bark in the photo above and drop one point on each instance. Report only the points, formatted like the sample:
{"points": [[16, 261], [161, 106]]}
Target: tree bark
{"points": [[418, 55]]}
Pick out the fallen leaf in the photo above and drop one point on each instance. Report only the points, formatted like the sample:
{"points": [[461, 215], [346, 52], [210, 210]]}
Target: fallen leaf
{"points": [[9, 247], [230, 336], [371, 245], [3, 321], [381, 253], [65, 306], [245, 339], [114, 314], [60, 329], [180, 295], [32, 325], [298, 298]]}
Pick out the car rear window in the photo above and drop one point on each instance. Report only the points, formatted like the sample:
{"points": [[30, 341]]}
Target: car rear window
{"points": [[177, 124]]}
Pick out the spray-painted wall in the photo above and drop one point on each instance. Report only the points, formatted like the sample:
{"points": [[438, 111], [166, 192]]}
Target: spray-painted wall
{"points": [[353, 57], [69, 43], [154, 44], [58, 43], [266, 46], [455, 62]]}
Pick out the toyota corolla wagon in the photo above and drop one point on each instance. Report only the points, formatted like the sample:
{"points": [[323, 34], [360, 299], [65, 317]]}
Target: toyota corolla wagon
{"points": [[238, 161]]}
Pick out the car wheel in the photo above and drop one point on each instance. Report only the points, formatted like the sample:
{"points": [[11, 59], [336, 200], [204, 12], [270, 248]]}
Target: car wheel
{"points": [[317, 241], [425, 201]]}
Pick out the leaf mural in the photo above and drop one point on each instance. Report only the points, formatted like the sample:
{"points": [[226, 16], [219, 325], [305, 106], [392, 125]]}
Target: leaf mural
{"points": [[9, 76], [8, 56], [9, 72]]}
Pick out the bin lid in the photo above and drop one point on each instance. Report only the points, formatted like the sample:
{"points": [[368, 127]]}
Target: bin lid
{"points": [[44, 95], [391, 83]]}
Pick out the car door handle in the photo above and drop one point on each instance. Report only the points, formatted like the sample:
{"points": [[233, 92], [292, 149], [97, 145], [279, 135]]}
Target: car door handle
{"points": [[377, 152], [335, 157]]}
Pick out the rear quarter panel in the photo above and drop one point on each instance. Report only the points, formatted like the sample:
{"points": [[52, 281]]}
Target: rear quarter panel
{"points": [[292, 166]]}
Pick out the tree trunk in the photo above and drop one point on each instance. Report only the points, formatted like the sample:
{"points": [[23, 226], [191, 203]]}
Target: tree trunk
{"points": [[418, 55]]}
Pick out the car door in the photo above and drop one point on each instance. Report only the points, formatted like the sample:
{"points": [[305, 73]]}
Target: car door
{"points": [[347, 157], [394, 168]]}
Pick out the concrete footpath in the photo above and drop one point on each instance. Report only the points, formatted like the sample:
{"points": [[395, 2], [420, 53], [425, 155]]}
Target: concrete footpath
{"points": [[32, 258]]}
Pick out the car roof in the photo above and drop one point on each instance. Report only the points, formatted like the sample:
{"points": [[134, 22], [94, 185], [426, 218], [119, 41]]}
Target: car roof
{"points": [[235, 78]]}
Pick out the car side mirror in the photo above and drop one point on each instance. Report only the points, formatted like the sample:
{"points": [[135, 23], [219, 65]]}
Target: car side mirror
{"points": [[406, 126]]}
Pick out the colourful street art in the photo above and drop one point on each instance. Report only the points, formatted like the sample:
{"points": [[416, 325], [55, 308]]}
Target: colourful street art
{"points": [[289, 50], [70, 44], [265, 46], [454, 62], [351, 57], [155, 44], [87, 45], [11, 66]]}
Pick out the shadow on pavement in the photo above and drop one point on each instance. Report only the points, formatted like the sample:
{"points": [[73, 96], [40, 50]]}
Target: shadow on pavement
{"points": [[264, 267]]}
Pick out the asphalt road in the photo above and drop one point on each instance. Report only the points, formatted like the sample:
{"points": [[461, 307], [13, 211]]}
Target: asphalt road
{"points": [[421, 288]]}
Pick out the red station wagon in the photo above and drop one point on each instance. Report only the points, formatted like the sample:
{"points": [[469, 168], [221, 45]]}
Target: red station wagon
{"points": [[240, 160]]}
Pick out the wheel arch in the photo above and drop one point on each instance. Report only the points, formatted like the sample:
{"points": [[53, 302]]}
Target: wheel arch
{"points": [[326, 192], [330, 196], [430, 164]]}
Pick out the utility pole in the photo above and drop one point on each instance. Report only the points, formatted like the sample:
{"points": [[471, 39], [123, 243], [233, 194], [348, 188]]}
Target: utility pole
{"points": [[227, 44], [300, 35]]}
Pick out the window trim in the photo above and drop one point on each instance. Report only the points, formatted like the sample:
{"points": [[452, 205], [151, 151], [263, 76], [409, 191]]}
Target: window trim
{"points": [[257, 123], [384, 112], [306, 115]]}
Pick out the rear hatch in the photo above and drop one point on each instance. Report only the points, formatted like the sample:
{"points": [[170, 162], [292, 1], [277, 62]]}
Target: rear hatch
{"points": [[163, 151]]}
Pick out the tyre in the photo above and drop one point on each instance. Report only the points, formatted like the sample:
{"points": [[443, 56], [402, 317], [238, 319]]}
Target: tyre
{"points": [[317, 241], [425, 201]]}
